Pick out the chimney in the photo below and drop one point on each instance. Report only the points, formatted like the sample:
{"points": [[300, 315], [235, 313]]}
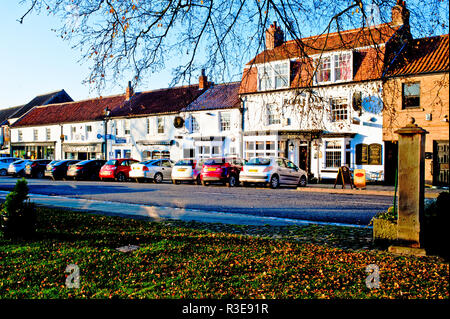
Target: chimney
{"points": [[203, 81], [129, 92], [400, 14], [274, 36]]}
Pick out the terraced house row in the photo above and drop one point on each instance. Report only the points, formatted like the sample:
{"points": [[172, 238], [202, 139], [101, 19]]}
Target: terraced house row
{"points": [[323, 102]]}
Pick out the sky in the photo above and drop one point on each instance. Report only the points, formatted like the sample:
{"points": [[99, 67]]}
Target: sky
{"points": [[35, 61]]}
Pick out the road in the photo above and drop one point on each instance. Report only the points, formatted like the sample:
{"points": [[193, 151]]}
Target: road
{"points": [[281, 203]]}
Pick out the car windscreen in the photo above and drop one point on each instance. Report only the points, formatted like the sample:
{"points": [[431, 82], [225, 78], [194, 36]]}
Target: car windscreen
{"points": [[112, 162], [84, 163], [148, 162], [258, 161], [214, 161], [18, 162], [185, 163]]}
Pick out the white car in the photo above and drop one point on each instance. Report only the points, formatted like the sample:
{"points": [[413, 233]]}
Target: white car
{"points": [[187, 170], [4, 164], [273, 171], [156, 170], [17, 168]]}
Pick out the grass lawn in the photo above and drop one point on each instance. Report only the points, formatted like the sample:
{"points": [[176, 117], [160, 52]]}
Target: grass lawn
{"points": [[186, 260]]}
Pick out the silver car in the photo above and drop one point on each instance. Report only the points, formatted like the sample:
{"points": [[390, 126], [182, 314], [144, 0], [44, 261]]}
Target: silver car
{"points": [[156, 170], [273, 171], [17, 168]]}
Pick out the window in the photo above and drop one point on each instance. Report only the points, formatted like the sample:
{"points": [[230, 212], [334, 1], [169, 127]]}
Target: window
{"points": [[339, 110], [126, 127], [342, 67], [273, 117], [35, 134], [225, 121], [324, 70], [160, 125], [273, 76], [332, 154], [411, 95], [189, 153], [148, 125], [48, 134], [334, 67], [88, 131], [281, 75], [19, 135], [194, 124]]}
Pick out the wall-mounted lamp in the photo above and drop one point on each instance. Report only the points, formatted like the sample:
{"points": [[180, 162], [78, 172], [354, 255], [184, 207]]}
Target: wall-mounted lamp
{"points": [[291, 146], [445, 119]]}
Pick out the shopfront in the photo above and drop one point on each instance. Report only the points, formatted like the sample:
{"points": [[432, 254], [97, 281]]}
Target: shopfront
{"points": [[155, 149], [44, 150], [83, 151]]}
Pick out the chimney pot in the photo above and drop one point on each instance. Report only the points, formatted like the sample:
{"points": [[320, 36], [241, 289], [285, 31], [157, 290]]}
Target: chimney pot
{"points": [[129, 92], [203, 81]]}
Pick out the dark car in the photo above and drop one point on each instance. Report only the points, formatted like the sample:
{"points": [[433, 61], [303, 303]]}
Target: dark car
{"points": [[224, 170], [58, 169], [117, 169], [88, 169], [36, 168]]}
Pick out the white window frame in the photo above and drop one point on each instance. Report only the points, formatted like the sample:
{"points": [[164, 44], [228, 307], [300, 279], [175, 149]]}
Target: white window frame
{"points": [[334, 60], [35, 134], [225, 121], [335, 147], [269, 75], [126, 127], [273, 115], [148, 126], [337, 111], [160, 125], [19, 135]]}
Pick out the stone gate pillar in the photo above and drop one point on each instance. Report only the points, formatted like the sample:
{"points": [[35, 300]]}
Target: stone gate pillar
{"points": [[411, 188]]}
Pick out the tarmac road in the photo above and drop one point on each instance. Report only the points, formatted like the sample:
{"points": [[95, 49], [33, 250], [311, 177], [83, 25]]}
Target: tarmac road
{"points": [[280, 203]]}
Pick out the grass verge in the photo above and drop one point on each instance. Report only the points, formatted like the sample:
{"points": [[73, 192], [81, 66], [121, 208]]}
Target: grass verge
{"points": [[195, 260]]}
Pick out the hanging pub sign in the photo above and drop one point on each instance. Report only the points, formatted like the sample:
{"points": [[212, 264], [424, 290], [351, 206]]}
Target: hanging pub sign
{"points": [[344, 176], [178, 122]]}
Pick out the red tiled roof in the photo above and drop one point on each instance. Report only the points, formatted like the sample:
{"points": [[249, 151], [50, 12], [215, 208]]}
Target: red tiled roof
{"points": [[70, 112], [344, 40], [169, 100], [219, 96], [422, 56]]}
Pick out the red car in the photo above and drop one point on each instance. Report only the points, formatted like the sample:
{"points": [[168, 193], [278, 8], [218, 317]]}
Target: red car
{"points": [[117, 169], [224, 170]]}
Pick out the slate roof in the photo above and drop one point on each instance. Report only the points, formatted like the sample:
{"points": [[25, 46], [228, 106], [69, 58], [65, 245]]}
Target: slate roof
{"points": [[70, 112], [162, 101], [219, 96], [5, 114], [425, 55]]}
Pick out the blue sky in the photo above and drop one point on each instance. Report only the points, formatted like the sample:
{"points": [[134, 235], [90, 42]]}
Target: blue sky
{"points": [[34, 61]]}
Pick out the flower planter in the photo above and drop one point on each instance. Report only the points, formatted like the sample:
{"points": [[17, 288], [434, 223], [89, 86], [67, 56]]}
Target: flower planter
{"points": [[384, 230]]}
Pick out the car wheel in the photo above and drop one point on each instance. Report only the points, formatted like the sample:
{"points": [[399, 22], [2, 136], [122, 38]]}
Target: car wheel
{"points": [[232, 181], [198, 180], [205, 183], [245, 184], [175, 182], [3, 172], [121, 177], [275, 181], [40, 175], [303, 181], [158, 178]]}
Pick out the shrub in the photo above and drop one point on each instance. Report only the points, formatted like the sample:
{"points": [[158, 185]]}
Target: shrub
{"points": [[437, 221], [18, 214]]}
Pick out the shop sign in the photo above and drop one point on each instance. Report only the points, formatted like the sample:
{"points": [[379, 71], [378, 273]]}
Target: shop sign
{"points": [[359, 178]]}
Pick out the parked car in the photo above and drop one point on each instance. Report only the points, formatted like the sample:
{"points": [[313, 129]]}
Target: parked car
{"points": [[4, 164], [17, 168], [88, 169], [36, 168], [187, 170], [272, 171], [156, 170], [58, 169], [117, 169], [224, 170]]}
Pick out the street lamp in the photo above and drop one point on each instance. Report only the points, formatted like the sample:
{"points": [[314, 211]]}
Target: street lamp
{"points": [[107, 113]]}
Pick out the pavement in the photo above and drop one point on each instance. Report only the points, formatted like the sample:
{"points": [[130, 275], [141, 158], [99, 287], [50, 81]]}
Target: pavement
{"points": [[370, 189]]}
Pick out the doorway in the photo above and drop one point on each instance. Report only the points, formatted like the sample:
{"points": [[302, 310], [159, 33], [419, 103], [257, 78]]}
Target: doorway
{"points": [[440, 163], [390, 162], [303, 157]]}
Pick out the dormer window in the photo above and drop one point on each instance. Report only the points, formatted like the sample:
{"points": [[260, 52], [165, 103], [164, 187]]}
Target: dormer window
{"points": [[273, 76], [334, 68]]}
